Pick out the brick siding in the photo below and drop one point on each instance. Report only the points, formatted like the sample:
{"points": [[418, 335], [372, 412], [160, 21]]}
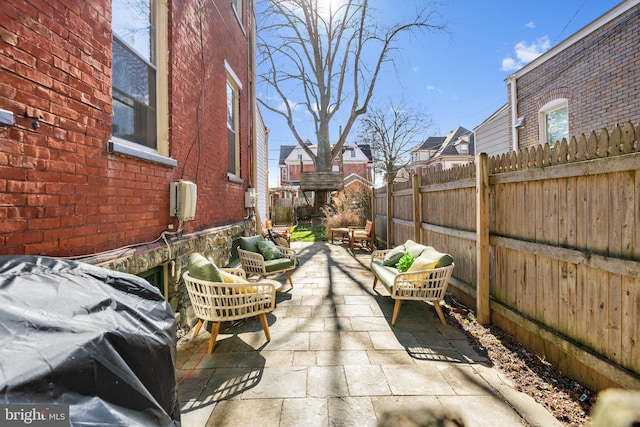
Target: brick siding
{"points": [[62, 193], [599, 75]]}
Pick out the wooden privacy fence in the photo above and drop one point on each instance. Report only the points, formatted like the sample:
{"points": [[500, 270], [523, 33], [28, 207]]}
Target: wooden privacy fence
{"points": [[547, 246]]}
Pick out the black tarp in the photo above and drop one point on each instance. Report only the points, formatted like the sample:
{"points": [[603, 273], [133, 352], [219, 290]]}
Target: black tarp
{"points": [[100, 341]]}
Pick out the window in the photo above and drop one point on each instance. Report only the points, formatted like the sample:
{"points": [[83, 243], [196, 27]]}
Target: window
{"points": [[139, 79], [155, 277], [284, 174], [233, 123], [236, 6], [554, 121]]}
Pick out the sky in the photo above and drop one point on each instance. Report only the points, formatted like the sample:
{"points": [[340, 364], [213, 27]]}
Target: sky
{"points": [[458, 76]]}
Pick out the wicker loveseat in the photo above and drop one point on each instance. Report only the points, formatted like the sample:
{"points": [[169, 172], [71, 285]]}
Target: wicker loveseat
{"points": [[425, 280]]}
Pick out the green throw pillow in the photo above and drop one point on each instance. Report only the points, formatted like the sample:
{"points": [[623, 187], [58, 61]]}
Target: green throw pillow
{"points": [[269, 250], [393, 256], [405, 262], [203, 269]]}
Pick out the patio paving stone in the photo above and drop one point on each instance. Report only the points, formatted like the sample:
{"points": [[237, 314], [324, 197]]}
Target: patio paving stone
{"points": [[334, 359]]}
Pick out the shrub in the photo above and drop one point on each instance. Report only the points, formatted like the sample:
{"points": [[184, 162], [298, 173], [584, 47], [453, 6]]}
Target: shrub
{"points": [[341, 213]]}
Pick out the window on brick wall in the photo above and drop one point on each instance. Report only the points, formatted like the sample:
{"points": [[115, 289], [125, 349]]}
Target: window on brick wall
{"points": [[233, 122], [139, 78], [554, 121], [237, 9]]}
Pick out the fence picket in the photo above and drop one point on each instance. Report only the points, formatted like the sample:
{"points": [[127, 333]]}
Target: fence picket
{"points": [[564, 237]]}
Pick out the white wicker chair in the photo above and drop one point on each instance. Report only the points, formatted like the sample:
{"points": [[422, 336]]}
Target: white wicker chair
{"points": [[220, 302], [424, 285], [254, 263]]}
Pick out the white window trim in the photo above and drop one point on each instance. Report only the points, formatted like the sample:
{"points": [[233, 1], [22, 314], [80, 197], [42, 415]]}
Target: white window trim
{"points": [[238, 14], [159, 155], [547, 108], [232, 78]]}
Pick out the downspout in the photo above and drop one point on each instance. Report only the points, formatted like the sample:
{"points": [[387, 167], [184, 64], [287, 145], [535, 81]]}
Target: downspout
{"points": [[513, 83]]}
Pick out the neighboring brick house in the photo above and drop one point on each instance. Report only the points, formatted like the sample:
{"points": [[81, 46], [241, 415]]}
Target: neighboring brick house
{"points": [[439, 153], [111, 104], [589, 81], [356, 160]]}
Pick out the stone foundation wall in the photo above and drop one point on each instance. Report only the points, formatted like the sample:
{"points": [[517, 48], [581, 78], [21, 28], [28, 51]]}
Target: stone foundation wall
{"points": [[172, 252]]}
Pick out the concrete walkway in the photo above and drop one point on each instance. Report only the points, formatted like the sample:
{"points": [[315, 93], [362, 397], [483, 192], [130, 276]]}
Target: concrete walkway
{"points": [[335, 360]]}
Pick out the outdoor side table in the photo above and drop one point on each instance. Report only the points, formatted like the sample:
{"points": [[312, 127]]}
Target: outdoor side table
{"points": [[340, 230]]}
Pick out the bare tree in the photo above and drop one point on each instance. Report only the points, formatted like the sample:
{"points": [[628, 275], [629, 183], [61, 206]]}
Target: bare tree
{"points": [[393, 131], [320, 60]]}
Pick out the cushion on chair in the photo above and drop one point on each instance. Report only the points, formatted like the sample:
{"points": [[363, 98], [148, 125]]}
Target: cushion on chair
{"points": [[231, 278], [278, 264], [421, 264], [268, 250], [405, 262], [431, 254], [415, 249], [250, 243], [393, 256], [203, 269]]}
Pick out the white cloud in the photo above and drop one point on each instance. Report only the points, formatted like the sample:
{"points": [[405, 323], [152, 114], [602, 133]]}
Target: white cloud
{"points": [[433, 89], [530, 24], [415, 69], [292, 105], [526, 53]]}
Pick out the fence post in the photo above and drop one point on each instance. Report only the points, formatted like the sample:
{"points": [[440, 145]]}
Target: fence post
{"points": [[373, 214], [417, 209], [389, 215], [483, 307]]}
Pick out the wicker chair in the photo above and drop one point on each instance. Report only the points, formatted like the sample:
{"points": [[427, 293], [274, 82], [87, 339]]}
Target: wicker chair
{"points": [[253, 262], [220, 302]]}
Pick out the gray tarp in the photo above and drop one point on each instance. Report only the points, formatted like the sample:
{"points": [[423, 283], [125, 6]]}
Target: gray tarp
{"points": [[100, 341]]}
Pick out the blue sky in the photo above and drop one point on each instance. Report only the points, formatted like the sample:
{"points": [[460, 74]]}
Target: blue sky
{"points": [[458, 77]]}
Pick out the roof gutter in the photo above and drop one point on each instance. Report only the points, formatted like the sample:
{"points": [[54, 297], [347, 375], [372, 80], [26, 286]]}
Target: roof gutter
{"points": [[513, 83]]}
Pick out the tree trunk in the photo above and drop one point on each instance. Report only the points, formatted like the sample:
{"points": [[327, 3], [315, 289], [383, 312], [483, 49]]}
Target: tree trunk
{"points": [[319, 201]]}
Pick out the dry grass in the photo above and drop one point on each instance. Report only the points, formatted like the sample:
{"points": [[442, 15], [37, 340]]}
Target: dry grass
{"points": [[341, 213]]}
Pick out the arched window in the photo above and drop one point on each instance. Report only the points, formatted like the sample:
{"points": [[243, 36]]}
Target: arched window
{"points": [[553, 119]]}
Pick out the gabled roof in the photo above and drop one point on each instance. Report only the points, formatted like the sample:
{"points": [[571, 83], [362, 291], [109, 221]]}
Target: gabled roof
{"points": [[432, 143], [285, 150], [355, 177], [454, 138], [366, 149]]}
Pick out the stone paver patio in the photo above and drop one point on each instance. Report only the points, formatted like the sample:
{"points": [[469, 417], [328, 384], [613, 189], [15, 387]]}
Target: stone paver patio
{"points": [[335, 360]]}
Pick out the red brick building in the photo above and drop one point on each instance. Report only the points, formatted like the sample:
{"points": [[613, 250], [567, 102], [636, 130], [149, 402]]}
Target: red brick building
{"points": [[356, 160], [589, 81], [107, 102]]}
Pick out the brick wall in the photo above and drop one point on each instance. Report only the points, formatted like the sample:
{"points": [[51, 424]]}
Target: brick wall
{"points": [[599, 75], [62, 193]]}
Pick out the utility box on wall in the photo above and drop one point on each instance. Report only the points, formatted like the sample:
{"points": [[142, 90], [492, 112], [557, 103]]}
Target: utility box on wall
{"points": [[182, 200], [250, 198]]}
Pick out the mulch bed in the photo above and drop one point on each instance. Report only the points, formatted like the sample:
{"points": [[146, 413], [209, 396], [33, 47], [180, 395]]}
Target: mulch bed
{"points": [[568, 401]]}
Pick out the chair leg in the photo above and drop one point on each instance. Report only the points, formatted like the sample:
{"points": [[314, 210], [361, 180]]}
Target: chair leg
{"points": [[396, 310], [375, 282], [436, 304], [289, 276], [265, 325], [198, 326], [215, 328]]}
